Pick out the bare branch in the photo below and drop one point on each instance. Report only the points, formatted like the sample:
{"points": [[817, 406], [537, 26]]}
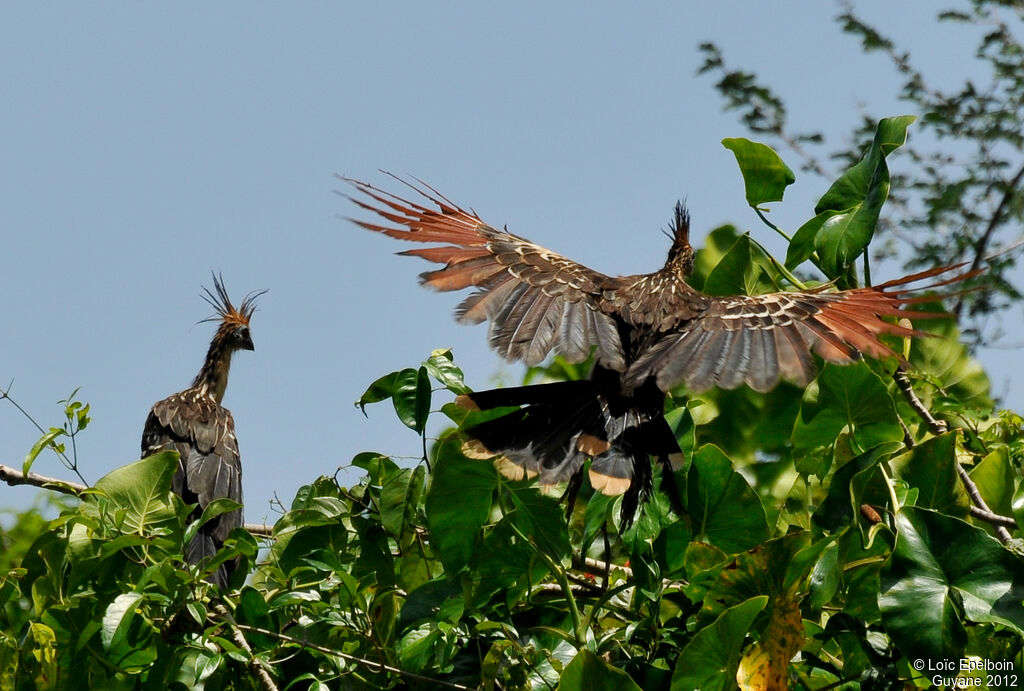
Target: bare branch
{"points": [[980, 509], [12, 477], [993, 518], [371, 664], [972, 491], [903, 383], [598, 568], [259, 529], [981, 246], [254, 665]]}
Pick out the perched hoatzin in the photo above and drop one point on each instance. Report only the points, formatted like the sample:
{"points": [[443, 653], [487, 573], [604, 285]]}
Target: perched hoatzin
{"points": [[649, 332], [195, 424]]}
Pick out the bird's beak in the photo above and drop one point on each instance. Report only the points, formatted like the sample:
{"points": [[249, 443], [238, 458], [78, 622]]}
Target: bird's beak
{"points": [[247, 343]]}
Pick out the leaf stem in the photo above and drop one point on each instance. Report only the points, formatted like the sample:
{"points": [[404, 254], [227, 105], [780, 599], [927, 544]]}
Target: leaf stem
{"points": [[780, 267], [563, 581], [771, 225]]}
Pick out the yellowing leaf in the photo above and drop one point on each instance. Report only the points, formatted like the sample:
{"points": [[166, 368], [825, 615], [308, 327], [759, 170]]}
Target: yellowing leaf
{"points": [[765, 665]]}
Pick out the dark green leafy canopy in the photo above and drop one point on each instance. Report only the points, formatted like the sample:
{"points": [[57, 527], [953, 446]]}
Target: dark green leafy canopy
{"points": [[944, 573]]}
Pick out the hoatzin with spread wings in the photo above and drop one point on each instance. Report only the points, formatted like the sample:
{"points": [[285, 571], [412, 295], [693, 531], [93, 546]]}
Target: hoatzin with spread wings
{"points": [[649, 333], [195, 424]]}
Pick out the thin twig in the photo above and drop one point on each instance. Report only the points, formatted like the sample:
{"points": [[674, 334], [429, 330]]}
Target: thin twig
{"points": [[68, 463], [903, 383], [972, 491], [940, 427], [981, 246], [375, 666], [254, 664], [993, 518]]}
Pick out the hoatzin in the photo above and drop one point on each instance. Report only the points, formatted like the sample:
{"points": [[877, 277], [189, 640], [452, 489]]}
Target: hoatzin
{"points": [[650, 333], [195, 424]]}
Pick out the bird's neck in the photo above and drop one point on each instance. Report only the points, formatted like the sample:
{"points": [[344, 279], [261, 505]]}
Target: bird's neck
{"points": [[680, 261], [212, 379]]}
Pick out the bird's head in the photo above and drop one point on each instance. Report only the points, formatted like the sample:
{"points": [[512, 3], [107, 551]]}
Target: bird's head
{"points": [[234, 322], [680, 255]]}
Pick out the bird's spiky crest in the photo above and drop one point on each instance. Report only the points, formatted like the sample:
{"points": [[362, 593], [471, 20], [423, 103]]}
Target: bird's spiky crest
{"points": [[226, 313], [680, 225]]}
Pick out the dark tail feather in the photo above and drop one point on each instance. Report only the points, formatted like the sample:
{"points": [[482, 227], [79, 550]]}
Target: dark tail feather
{"points": [[525, 395], [202, 548], [541, 438], [563, 424]]}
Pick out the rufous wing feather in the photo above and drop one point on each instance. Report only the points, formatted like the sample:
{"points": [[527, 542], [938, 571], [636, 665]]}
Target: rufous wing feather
{"points": [[537, 300], [758, 340]]}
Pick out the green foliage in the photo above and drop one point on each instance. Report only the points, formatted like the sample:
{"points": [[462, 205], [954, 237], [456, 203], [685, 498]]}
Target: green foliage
{"points": [[765, 175], [959, 189], [848, 212], [827, 539]]}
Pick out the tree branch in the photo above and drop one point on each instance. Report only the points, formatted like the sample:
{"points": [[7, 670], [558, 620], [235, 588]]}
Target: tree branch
{"points": [[260, 529], [993, 518], [598, 568], [236, 634], [972, 491], [372, 664], [13, 476], [903, 383], [980, 509], [981, 245]]}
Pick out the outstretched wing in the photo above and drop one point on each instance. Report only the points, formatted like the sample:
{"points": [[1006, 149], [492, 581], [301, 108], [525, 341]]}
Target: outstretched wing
{"points": [[535, 299], [759, 339], [209, 467]]}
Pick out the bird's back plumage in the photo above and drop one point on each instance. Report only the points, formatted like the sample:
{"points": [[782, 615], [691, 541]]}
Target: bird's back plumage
{"points": [[209, 465]]}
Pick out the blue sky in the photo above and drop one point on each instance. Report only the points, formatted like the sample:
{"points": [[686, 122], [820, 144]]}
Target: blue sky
{"points": [[144, 146]]}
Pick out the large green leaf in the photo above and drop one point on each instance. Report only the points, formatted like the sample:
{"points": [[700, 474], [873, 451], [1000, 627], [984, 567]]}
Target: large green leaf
{"points": [[441, 366], [744, 270], [588, 672], [409, 391], [716, 244], [765, 176], [541, 518], [142, 488], [801, 246], [458, 503], [930, 467], [724, 509], [412, 398], [846, 490], [772, 568], [399, 498], [994, 477], [942, 573], [126, 637], [709, 660], [848, 212], [851, 398]]}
